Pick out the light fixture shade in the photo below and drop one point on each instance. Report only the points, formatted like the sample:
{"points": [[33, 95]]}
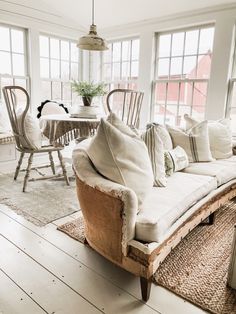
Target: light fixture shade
{"points": [[92, 41]]}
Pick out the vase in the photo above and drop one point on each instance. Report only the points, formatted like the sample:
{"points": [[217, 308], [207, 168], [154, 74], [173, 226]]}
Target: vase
{"points": [[87, 100]]}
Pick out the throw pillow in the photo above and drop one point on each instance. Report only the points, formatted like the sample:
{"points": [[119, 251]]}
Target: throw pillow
{"points": [[122, 158], [195, 142], [156, 153], [32, 130], [163, 134], [175, 160], [220, 136]]}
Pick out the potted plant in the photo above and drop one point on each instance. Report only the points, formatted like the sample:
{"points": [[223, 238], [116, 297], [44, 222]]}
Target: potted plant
{"points": [[88, 90]]}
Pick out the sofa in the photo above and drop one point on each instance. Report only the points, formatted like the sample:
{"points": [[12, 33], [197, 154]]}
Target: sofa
{"points": [[139, 240]]}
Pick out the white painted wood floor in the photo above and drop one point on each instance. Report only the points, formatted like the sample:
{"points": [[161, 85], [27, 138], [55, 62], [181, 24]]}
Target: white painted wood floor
{"points": [[43, 270]]}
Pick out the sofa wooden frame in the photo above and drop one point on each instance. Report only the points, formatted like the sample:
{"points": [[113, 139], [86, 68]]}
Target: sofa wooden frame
{"points": [[103, 215]]}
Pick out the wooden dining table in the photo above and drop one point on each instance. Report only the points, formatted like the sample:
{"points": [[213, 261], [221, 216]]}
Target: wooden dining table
{"points": [[62, 128]]}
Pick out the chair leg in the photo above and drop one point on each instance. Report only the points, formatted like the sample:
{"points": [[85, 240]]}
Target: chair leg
{"points": [[19, 165], [52, 162], [145, 288], [209, 221], [63, 167], [30, 160]]}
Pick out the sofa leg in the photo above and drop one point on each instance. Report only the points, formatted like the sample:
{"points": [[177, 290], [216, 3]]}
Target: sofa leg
{"points": [[145, 288], [210, 220]]}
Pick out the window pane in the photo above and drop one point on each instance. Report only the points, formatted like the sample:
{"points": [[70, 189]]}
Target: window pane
{"points": [[206, 40], [66, 92], [17, 41], [65, 52], [173, 93], [107, 72], [21, 82], [74, 71], [125, 70], [5, 38], [164, 45], [116, 52], [135, 49], [116, 71], [191, 42], [65, 70], [160, 93], [204, 66], [44, 46], [126, 45], [176, 67], [55, 69], [5, 63], [134, 69], [46, 90], [159, 114], [177, 44], [18, 64], [171, 115], [44, 67], [56, 90], [54, 48], [189, 67], [199, 94], [163, 68], [74, 52]]}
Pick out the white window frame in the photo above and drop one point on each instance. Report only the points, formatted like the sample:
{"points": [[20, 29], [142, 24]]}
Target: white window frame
{"points": [[180, 80], [26, 60], [61, 81]]}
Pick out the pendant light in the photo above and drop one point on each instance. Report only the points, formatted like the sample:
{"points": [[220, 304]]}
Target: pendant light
{"points": [[92, 41]]}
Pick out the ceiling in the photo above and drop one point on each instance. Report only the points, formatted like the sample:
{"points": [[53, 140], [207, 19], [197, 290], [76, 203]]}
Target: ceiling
{"points": [[109, 13]]}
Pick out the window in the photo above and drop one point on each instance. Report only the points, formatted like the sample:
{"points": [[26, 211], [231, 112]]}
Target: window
{"points": [[182, 72], [13, 65], [59, 63], [120, 64]]}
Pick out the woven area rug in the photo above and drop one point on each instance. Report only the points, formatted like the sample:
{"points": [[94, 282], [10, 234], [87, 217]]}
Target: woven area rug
{"points": [[197, 268], [44, 201]]}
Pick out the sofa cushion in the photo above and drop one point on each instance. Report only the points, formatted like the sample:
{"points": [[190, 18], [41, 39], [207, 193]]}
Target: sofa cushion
{"points": [[122, 158], [223, 170], [164, 206], [175, 160], [163, 134], [156, 153], [195, 141], [220, 136]]}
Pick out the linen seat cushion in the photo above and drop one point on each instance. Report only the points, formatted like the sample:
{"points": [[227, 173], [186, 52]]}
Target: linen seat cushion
{"points": [[163, 207], [122, 158], [223, 170]]}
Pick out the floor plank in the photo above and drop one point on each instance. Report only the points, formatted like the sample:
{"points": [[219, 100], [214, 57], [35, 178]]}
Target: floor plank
{"points": [[14, 300], [161, 299], [43, 287], [94, 288]]}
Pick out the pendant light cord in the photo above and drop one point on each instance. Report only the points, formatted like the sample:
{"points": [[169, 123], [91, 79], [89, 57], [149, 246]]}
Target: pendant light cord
{"points": [[93, 12]]}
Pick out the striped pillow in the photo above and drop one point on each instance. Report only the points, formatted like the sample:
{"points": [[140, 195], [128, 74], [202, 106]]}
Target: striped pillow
{"points": [[156, 153], [195, 142], [175, 160]]}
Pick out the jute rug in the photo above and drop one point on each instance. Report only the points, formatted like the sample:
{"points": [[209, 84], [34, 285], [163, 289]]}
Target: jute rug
{"points": [[44, 201], [197, 268]]}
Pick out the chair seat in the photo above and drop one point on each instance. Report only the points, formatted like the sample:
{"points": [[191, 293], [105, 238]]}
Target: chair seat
{"points": [[164, 206], [43, 149], [223, 170]]}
